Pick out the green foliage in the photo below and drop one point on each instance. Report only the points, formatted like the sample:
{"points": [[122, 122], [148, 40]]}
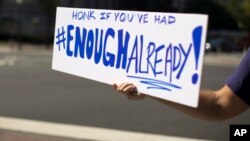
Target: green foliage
{"points": [[246, 16], [49, 7], [219, 17], [240, 9]]}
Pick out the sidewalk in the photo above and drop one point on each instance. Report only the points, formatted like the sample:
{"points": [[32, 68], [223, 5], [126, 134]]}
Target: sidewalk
{"points": [[33, 130], [6, 135], [27, 49], [223, 59]]}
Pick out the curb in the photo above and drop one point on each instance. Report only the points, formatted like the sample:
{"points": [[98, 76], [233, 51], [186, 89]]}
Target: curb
{"points": [[223, 59]]}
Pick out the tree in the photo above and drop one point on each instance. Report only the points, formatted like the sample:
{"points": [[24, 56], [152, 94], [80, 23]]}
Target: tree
{"points": [[240, 10], [49, 9], [219, 17], [245, 17]]}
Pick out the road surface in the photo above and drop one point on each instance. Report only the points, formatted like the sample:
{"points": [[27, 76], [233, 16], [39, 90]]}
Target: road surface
{"points": [[30, 89]]}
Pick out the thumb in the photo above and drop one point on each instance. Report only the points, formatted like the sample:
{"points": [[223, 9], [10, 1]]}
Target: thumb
{"points": [[115, 86]]}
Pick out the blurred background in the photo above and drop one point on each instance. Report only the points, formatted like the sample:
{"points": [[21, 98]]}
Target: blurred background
{"points": [[30, 89], [33, 20]]}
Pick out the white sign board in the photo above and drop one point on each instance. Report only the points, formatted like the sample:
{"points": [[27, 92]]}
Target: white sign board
{"points": [[161, 53]]}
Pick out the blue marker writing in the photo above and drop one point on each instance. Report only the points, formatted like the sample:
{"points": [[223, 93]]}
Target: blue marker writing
{"points": [[197, 44]]}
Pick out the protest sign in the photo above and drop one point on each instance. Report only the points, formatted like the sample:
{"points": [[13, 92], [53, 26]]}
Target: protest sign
{"points": [[161, 53]]}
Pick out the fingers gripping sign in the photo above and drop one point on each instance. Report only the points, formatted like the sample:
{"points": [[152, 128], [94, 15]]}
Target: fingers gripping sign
{"points": [[129, 90]]}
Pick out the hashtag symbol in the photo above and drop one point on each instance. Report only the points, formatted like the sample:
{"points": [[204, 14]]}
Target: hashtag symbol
{"points": [[60, 38]]}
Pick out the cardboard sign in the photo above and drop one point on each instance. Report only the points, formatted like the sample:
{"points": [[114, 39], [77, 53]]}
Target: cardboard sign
{"points": [[161, 53]]}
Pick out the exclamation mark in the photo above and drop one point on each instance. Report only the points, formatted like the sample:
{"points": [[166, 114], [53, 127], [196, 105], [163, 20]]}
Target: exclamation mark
{"points": [[197, 43]]}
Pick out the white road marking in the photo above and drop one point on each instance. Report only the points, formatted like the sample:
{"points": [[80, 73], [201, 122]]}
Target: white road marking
{"points": [[81, 132], [8, 60]]}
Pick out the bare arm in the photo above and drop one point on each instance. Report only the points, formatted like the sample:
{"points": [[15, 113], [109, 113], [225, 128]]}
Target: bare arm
{"points": [[213, 105]]}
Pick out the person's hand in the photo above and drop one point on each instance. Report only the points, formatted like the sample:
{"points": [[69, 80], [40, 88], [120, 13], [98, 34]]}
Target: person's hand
{"points": [[129, 90]]}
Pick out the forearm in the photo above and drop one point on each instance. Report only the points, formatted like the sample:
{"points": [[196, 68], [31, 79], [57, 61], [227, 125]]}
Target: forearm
{"points": [[213, 105], [208, 108]]}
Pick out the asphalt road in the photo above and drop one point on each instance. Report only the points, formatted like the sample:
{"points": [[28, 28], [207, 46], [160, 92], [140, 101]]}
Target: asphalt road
{"points": [[30, 89]]}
